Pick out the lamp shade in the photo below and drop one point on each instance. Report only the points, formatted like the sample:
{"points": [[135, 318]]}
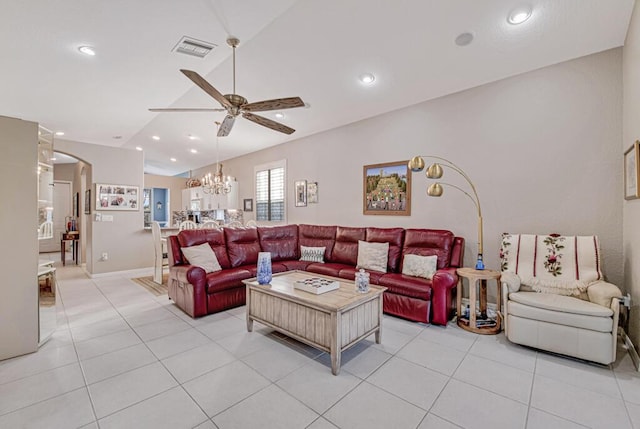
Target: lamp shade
{"points": [[435, 190], [416, 164], [434, 171]]}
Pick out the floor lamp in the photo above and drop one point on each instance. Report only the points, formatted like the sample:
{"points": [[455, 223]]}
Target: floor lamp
{"points": [[435, 171]]}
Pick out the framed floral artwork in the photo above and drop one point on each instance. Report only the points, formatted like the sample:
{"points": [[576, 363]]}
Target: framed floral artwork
{"points": [[300, 189], [387, 189], [631, 174]]}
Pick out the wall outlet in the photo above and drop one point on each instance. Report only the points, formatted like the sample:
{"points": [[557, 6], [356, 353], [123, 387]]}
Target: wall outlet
{"points": [[107, 218], [98, 217], [105, 256]]}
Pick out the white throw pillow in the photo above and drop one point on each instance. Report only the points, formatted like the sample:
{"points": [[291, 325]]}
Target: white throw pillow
{"points": [[420, 266], [373, 256], [312, 254], [202, 256]]}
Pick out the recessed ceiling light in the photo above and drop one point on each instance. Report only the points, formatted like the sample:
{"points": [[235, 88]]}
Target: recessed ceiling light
{"points": [[155, 138], [54, 159], [192, 137], [172, 159], [367, 78], [519, 15], [117, 137], [464, 39], [138, 148], [87, 50], [59, 133], [194, 151], [279, 115]]}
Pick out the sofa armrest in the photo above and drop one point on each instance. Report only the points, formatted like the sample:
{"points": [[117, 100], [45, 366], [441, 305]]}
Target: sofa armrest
{"points": [[602, 293], [511, 281], [442, 285]]}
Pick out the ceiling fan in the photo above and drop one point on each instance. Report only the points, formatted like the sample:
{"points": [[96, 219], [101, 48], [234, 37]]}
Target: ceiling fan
{"points": [[235, 104]]}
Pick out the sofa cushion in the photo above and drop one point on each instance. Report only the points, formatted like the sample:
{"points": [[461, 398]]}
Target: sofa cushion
{"points": [[561, 303], [427, 242], [400, 284], [312, 254], [575, 320], [226, 279], [243, 246], [350, 274], [345, 249], [318, 236], [395, 238], [419, 266], [215, 238], [202, 256], [281, 241], [373, 256], [295, 265], [328, 269]]}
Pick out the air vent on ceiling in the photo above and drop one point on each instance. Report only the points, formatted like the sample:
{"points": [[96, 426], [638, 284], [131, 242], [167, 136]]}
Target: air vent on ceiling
{"points": [[195, 47]]}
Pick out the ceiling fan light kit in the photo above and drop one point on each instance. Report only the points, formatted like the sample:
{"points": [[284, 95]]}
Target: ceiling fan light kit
{"points": [[236, 105]]}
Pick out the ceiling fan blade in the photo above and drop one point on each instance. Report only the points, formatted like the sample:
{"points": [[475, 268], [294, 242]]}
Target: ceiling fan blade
{"points": [[227, 124], [276, 104], [187, 110], [268, 123], [206, 87]]}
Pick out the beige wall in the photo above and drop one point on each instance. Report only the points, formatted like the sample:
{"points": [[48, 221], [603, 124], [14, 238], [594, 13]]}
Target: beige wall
{"points": [[631, 132], [175, 186], [127, 244], [19, 261], [541, 147]]}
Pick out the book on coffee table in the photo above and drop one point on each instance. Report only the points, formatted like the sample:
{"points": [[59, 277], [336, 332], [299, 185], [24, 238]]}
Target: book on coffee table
{"points": [[316, 285]]}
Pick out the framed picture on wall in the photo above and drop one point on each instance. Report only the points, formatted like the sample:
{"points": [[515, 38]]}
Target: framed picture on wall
{"points": [[312, 192], [248, 204], [386, 189], [631, 174], [300, 189], [117, 197], [87, 201], [76, 204]]}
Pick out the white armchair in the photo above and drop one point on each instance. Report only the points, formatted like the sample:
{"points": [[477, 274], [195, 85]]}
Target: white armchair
{"points": [[555, 298]]}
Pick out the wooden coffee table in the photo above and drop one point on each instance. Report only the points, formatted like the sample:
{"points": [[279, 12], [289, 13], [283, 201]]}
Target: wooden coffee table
{"points": [[332, 321]]}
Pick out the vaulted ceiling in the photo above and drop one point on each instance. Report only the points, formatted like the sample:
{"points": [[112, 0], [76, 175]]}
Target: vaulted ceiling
{"points": [[316, 50]]}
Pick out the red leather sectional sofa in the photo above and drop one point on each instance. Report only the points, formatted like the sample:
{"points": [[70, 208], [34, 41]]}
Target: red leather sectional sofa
{"points": [[413, 298]]}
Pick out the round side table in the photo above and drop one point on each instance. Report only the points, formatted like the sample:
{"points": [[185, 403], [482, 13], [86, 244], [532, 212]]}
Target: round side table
{"points": [[478, 282]]}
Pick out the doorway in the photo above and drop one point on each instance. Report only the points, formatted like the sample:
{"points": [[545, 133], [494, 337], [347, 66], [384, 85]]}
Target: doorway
{"points": [[61, 209]]}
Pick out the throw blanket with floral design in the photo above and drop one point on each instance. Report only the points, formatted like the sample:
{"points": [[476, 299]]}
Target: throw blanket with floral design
{"points": [[564, 265]]}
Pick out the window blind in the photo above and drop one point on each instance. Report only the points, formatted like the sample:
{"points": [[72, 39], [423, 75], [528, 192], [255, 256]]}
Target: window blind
{"points": [[270, 194]]}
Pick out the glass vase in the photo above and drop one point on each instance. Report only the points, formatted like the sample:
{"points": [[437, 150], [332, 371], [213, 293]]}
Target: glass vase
{"points": [[264, 268]]}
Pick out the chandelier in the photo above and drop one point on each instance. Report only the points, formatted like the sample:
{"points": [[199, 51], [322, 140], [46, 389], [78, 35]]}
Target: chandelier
{"points": [[217, 184]]}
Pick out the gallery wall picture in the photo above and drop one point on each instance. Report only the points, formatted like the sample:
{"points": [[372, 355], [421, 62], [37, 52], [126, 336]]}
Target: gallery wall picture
{"points": [[631, 172], [387, 189], [117, 197], [87, 201], [300, 189], [312, 192]]}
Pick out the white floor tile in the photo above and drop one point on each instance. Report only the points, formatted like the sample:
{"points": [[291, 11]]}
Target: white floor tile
{"points": [[40, 387], [321, 423], [360, 360], [33, 363], [316, 387], [277, 361], [218, 390], [500, 349], [108, 343], [450, 336], [98, 329], [162, 328], [69, 410], [629, 383], [599, 379], [579, 405], [431, 355], [148, 315], [206, 425], [219, 329], [264, 410], [472, 407], [495, 377], [176, 343], [110, 364], [391, 340], [431, 421], [413, 383], [173, 409], [369, 407], [634, 414], [398, 324], [116, 393], [540, 420], [244, 343], [195, 362]]}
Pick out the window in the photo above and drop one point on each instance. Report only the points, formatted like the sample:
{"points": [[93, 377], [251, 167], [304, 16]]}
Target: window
{"points": [[270, 192]]}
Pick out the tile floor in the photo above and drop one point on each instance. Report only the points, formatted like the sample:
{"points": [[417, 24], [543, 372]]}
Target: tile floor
{"points": [[122, 358]]}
